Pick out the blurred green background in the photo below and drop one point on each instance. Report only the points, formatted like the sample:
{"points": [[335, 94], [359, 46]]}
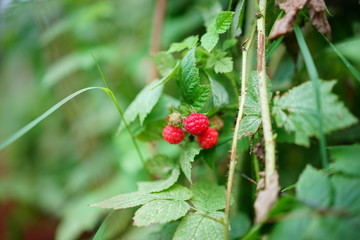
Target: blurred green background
{"points": [[74, 158]]}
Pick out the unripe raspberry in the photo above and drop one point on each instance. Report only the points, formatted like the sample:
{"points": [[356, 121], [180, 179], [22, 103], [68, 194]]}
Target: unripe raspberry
{"points": [[196, 123], [208, 139], [216, 122], [173, 135], [174, 119]]}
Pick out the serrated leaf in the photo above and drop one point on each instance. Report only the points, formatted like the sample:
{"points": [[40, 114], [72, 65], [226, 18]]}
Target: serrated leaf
{"points": [[208, 197], [159, 185], [160, 211], [346, 159], [220, 63], [252, 115], [347, 194], [296, 112], [190, 150], [314, 188], [209, 41], [176, 192], [137, 108], [220, 24], [123, 201], [197, 227], [192, 91], [188, 43], [164, 62], [223, 22], [134, 199], [219, 93]]}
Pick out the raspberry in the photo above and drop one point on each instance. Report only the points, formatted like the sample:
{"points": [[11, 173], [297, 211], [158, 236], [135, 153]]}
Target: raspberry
{"points": [[208, 139], [172, 134], [174, 119], [196, 123]]}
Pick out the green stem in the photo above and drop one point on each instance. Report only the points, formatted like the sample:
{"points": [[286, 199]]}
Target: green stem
{"points": [[316, 86], [233, 162]]}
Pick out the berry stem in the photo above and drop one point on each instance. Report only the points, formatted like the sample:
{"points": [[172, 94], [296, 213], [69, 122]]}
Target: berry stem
{"points": [[232, 166]]}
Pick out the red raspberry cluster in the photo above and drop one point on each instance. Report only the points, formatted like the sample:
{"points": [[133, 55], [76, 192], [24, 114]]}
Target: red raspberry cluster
{"points": [[196, 124]]}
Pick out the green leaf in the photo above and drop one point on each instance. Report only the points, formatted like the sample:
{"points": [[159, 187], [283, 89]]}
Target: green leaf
{"points": [[192, 91], [347, 194], [252, 115], [134, 199], [164, 62], [148, 95], [228, 43], [346, 159], [159, 185], [238, 19], [219, 93], [296, 112], [314, 188], [166, 233], [220, 63], [188, 153], [188, 43], [293, 225], [220, 24], [160, 211], [194, 226], [208, 197], [209, 41], [223, 22], [126, 200]]}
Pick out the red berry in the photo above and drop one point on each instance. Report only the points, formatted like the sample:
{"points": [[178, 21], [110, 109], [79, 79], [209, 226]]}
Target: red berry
{"points": [[173, 135], [208, 139], [196, 123]]}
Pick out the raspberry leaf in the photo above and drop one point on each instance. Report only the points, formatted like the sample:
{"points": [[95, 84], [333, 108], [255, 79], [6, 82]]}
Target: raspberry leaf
{"points": [[219, 25], [159, 185], [296, 112], [200, 227], [190, 150], [346, 159], [208, 197], [194, 93], [160, 211], [134, 199], [188, 43], [314, 188]]}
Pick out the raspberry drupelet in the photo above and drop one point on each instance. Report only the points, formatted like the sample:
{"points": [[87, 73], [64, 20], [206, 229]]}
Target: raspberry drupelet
{"points": [[209, 139], [173, 135], [196, 123]]}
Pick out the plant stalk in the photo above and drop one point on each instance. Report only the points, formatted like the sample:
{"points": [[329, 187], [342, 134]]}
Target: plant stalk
{"points": [[263, 95], [233, 162], [157, 26]]}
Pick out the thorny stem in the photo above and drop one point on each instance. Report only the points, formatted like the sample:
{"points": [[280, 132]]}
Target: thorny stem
{"points": [[263, 95], [233, 162], [158, 22]]}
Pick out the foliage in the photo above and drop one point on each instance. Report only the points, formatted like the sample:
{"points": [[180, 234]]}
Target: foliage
{"points": [[71, 155]]}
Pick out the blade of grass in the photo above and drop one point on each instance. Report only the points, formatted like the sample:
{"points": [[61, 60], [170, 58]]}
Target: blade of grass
{"points": [[316, 86], [33, 123], [121, 113], [347, 64]]}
